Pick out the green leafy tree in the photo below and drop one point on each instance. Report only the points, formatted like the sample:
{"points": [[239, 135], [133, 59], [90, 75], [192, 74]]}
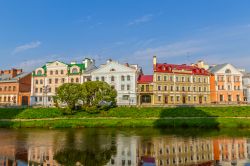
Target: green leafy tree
{"points": [[70, 94], [93, 92]]}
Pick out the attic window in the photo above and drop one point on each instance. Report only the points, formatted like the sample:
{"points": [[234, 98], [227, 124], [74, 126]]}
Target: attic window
{"points": [[74, 70], [112, 69], [39, 72], [228, 71]]}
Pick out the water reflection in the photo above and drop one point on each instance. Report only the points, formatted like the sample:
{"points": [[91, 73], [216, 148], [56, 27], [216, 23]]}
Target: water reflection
{"points": [[111, 147]]}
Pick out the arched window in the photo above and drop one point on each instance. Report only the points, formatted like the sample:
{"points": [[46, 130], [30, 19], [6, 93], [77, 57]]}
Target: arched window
{"points": [[39, 72], [74, 70], [77, 80], [112, 78], [122, 78], [56, 72], [72, 80], [228, 71]]}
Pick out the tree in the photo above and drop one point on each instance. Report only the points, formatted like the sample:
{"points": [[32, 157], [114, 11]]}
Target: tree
{"points": [[93, 92], [69, 93]]}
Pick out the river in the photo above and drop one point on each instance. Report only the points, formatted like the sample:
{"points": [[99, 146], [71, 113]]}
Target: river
{"points": [[123, 147]]}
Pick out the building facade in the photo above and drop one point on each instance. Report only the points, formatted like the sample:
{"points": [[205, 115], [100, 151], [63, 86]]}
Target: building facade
{"points": [[15, 86], [47, 79], [123, 77], [145, 90], [180, 84], [246, 87], [226, 84]]}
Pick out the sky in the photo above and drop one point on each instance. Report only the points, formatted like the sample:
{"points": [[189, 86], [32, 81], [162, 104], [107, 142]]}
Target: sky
{"points": [[33, 32]]}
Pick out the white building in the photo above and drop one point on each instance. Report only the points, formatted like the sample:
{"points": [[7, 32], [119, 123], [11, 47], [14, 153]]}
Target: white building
{"points": [[123, 77], [46, 79], [246, 86]]}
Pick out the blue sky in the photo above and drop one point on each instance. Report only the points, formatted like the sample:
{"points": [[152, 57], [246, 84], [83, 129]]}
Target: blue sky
{"points": [[33, 32]]}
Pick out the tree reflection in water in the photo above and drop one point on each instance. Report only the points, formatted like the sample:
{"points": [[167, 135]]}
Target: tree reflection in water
{"points": [[94, 149]]}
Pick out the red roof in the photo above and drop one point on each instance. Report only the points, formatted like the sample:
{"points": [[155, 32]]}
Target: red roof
{"points": [[173, 68], [145, 79]]}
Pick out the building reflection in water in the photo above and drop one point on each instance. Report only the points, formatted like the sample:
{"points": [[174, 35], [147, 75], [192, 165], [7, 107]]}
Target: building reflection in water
{"points": [[99, 148]]}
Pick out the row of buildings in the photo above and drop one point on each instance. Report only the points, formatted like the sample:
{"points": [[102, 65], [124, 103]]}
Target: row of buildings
{"points": [[170, 84]]}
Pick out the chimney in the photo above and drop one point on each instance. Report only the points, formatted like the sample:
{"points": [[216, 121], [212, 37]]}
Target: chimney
{"points": [[154, 61], [13, 73], [19, 71]]}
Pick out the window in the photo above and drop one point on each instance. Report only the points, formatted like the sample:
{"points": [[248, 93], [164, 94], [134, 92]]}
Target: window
{"points": [[178, 98], [183, 89], [172, 98], [50, 81], [171, 78], [51, 72], [72, 80], [74, 70], [103, 79], [112, 78], [49, 90], [177, 88], [221, 98], [182, 79], [229, 98], [165, 78], [194, 98], [49, 99], [128, 77], [147, 87], [41, 81], [77, 80], [177, 79], [40, 99], [165, 88], [199, 89], [63, 80], [125, 97], [97, 78], [122, 78], [159, 88], [36, 90], [62, 72], [14, 88], [41, 90], [35, 99], [128, 87], [159, 98], [238, 97], [36, 81], [142, 88], [159, 78], [56, 81], [56, 72], [39, 72], [122, 87], [172, 88], [56, 89]]}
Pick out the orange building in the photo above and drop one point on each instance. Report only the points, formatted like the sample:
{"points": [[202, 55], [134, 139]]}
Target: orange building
{"points": [[226, 84], [15, 87]]}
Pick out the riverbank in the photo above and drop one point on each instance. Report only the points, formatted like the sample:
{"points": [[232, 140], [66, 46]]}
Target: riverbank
{"points": [[181, 117]]}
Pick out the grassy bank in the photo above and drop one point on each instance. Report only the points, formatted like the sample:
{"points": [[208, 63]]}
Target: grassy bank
{"points": [[133, 112], [222, 117], [159, 123]]}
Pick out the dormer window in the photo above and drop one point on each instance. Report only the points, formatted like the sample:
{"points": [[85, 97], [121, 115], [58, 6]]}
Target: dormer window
{"points": [[112, 69], [39, 72], [74, 70], [228, 71]]}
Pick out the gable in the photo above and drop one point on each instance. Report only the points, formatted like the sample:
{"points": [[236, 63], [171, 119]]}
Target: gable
{"points": [[228, 67], [113, 67], [56, 64]]}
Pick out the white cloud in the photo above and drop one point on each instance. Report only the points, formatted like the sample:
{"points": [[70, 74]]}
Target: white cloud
{"points": [[27, 46], [143, 19], [181, 48]]}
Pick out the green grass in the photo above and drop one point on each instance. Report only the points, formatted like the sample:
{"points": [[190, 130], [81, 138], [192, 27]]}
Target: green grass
{"points": [[134, 112], [160, 123], [137, 117]]}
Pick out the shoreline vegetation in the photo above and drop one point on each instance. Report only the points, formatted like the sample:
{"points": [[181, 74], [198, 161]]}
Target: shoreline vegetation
{"points": [[179, 117]]}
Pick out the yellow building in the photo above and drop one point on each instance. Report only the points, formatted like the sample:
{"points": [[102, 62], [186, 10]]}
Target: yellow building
{"points": [[180, 84], [145, 90]]}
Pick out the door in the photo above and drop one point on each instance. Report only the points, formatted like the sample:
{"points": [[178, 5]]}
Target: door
{"points": [[200, 99], [166, 99], [25, 101], [183, 99]]}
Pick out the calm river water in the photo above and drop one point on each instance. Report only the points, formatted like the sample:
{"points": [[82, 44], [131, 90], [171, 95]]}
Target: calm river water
{"points": [[123, 147]]}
